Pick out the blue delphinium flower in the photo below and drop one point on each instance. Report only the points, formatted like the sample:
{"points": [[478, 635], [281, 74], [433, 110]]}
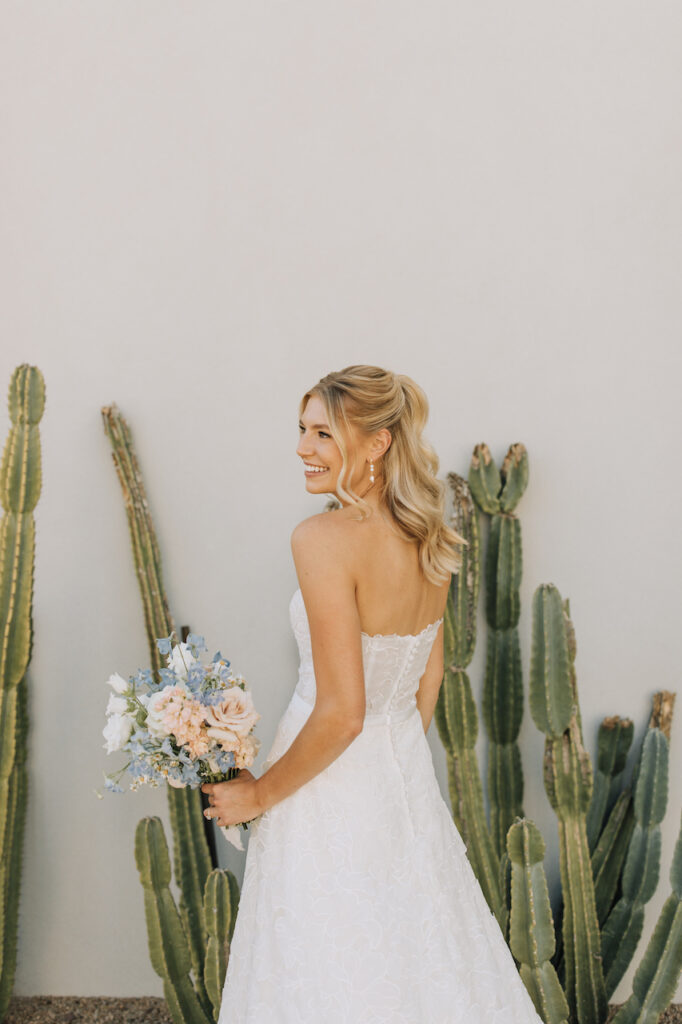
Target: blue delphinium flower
{"points": [[112, 786], [196, 643], [168, 677], [164, 644]]}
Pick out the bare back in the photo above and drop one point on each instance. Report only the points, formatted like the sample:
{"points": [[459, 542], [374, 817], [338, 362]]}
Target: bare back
{"points": [[392, 593]]}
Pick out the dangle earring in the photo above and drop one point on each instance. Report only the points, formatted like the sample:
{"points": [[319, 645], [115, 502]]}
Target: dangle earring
{"points": [[371, 472]]}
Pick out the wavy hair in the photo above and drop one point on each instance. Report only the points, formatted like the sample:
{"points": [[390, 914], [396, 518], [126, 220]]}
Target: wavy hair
{"points": [[369, 399]]}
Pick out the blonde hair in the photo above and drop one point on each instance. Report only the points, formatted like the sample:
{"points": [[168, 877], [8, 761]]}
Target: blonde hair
{"points": [[370, 399]]}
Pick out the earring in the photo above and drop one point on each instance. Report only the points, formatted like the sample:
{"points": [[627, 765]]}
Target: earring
{"points": [[371, 472]]}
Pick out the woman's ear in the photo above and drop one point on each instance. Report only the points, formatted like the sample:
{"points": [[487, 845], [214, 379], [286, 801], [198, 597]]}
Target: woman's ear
{"points": [[382, 442]]}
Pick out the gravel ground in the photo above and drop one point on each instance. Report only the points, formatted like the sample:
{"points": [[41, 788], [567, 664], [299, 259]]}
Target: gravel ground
{"points": [[82, 1010]]}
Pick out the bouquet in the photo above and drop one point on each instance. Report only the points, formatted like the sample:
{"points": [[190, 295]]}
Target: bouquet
{"points": [[192, 725]]}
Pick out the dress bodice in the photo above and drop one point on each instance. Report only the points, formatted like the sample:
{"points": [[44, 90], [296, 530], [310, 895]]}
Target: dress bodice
{"points": [[393, 663]]}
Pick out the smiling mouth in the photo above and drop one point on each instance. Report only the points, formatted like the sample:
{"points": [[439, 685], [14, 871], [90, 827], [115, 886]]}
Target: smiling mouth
{"points": [[314, 470]]}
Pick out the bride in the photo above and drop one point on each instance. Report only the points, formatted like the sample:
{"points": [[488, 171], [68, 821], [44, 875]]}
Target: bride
{"points": [[359, 905]]}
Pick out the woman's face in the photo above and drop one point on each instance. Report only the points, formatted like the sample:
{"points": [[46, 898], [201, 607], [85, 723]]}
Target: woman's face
{"points": [[320, 452]]}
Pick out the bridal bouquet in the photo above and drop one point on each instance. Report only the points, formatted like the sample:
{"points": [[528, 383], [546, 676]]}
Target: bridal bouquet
{"points": [[192, 725]]}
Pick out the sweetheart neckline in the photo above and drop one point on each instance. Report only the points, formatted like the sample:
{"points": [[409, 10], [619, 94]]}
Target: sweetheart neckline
{"points": [[388, 636]]}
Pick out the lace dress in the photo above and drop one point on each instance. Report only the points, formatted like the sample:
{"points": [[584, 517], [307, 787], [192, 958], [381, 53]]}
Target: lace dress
{"points": [[359, 905]]}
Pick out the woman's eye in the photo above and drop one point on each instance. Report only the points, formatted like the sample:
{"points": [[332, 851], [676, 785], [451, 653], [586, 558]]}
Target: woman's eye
{"points": [[322, 433]]}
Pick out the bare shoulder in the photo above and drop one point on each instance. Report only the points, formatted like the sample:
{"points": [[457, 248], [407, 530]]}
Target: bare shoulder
{"points": [[326, 531], [327, 579]]}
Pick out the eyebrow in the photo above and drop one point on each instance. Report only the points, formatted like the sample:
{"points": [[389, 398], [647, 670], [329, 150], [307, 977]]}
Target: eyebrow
{"points": [[317, 426]]}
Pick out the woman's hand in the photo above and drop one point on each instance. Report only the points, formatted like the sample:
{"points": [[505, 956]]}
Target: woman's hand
{"points": [[233, 801]]}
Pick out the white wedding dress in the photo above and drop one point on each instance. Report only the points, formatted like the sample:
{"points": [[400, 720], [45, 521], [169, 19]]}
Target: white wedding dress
{"points": [[359, 905]]}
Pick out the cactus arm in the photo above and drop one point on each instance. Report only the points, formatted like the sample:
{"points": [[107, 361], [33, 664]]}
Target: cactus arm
{"points": [[502, 713], [608, 856], [20, 486], [168, 947], [615, 738], [503, 684], [568, 780], [455, 712], [514, 474], [221, 898], [551, 698], [568, 783], [192, 854], [531, 929], [192, 868], [657, 975], [10, 866], [484, 480], [457, 724], [623, 928]]}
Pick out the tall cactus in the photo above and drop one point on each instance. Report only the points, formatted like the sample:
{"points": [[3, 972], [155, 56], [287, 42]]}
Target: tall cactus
{"points": [[455, 713], [497, 493], [657, 975], [608, 856], [168, 939], [568, 782], [623, 928], [221, 900], [20, 485], [192, 853], [615, 738], [168, 946], [531, 935]]}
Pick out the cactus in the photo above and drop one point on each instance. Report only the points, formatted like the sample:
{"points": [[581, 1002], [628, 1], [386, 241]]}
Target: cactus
{"points": [[221, 900], [168, 946], [497, 494], [608, 856], [20, 485], [193, 861], [568, 782], [455, 712], [615, 738], [623, 927], [658, 973], [531, 935]]}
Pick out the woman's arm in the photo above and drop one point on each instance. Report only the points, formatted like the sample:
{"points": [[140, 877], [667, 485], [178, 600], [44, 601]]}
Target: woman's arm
{"points": [[320, 549], [430, 682]]}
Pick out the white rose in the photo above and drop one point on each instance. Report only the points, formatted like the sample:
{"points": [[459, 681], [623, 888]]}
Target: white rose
{"points": [[231, 720], [117, 732], [180, 659], [118, 683], [154, 722], [116, 705]]}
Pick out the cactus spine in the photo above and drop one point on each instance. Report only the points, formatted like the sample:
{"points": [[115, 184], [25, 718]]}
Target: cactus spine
{"points": [[568, 782], [497, 493], [623, 928], [455, 712], [531, 935], [657, 975], [20, 485], [192, 854]]}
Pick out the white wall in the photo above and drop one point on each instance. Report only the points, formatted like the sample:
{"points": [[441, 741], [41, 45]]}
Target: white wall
{"points": [[206, 207]]}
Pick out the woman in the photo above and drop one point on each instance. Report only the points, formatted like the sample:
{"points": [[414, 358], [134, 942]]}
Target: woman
{"points": [[358, 904]]}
